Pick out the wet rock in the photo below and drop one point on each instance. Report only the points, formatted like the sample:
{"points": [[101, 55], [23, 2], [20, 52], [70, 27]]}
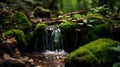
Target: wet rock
{"points": [[13, 63], [8, 45], [7, 61]]}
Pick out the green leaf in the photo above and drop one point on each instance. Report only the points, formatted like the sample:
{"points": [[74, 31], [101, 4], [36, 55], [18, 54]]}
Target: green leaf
{"points": [[116, 48], [116, 64]]}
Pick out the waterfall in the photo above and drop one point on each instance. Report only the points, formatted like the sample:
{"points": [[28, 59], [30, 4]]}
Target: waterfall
{"points": [[56, 40], [53, 39], [53, 48], [35, 46]]}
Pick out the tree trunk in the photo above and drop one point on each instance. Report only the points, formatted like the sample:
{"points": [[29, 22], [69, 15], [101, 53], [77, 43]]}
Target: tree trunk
{"points": [[78, 3]]}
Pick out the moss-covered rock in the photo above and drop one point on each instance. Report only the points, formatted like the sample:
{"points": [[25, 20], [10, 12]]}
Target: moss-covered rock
{"points": [[42, 12], [20, 36], [40, 26], [38, 38], [9, 45], [67, 26], [19, 20], [94, 54], [68, 35]]}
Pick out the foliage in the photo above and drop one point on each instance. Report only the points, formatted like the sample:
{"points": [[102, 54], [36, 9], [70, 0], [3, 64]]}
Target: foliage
{"points": [[116, 49], [42, 12], [99, 9], [19, 20], [20, 36], [102, 30], [96, 52], [88, 37], [75, 5]]}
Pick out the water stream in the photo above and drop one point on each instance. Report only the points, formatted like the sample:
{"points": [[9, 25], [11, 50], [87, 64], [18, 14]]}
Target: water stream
{"points": [[53, 39], [53, 54]]}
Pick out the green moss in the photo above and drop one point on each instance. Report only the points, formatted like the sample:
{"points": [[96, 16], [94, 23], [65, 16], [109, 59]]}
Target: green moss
{"points": [[69, 35], [20, 36], [88, 37], [67, 26], [95, 52], [41, 12], [102, 30], [19, 20], [39, 28]]}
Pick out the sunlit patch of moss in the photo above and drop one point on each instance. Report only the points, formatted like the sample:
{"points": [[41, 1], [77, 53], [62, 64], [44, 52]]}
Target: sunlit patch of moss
{"points": [[42, 12], [95, 52], [67, 26], [40, 26]]}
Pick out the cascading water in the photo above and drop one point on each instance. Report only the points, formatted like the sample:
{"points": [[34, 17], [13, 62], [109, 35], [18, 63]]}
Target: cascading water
{"points": [[54, 50], [53, 39], [53, 54], [35, 46], [54, 43]]}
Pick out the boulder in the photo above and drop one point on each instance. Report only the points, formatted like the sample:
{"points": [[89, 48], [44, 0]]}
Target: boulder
{"points": [[42, 12], [7, 61], [94, 54]]}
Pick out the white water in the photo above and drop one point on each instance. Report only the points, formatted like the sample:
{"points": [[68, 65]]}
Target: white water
{"points": [[57, 52], [53, 39]]}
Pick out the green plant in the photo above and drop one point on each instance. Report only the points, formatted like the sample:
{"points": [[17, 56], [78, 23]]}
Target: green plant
{"points": [[116, 49], [102, 30]]}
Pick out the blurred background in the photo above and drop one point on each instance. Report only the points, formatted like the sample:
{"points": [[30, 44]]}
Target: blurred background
{"points": [[58, 6]]}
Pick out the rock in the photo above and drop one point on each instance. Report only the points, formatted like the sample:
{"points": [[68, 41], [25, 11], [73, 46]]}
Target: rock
{"points": [[13, 63], [7, 61], [20, 37], [94, 54], [8, 45], [17, 53], [42, 12]]}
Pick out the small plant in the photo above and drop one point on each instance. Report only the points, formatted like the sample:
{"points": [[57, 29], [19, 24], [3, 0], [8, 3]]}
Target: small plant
{"points": [[116, 49]]}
